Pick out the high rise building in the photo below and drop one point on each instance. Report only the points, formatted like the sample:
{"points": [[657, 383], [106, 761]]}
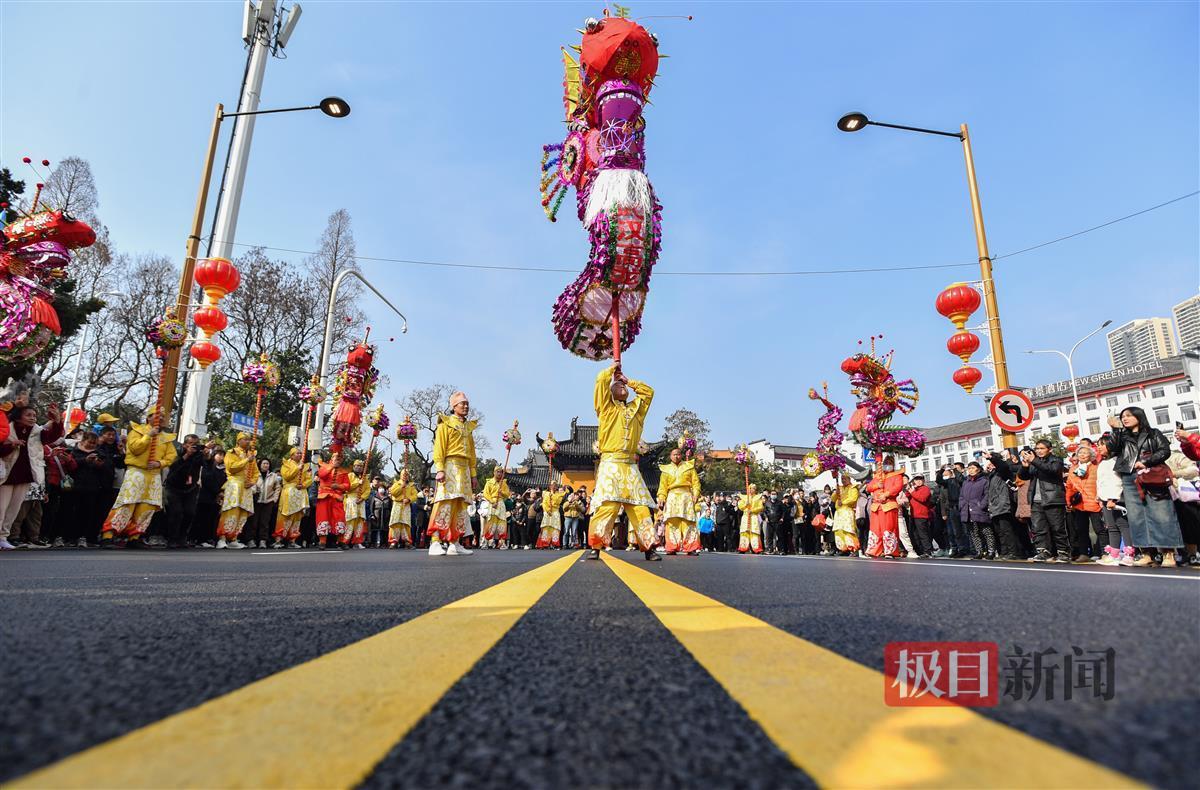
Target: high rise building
{"points": [[1141, 340], [1187, 321]]}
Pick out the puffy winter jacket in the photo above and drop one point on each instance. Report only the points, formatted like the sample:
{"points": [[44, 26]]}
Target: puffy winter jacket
{"points": [[921, 501], [973, 500], [999, 495], [1085, 486]]}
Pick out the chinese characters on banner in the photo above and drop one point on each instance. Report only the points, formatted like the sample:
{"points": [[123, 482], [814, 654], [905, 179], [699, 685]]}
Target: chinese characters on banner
{"points": [[631, 248], [972, 674]]}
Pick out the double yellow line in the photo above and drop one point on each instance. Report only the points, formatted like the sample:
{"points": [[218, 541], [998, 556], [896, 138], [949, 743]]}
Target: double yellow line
{"points": [[824, 711]]}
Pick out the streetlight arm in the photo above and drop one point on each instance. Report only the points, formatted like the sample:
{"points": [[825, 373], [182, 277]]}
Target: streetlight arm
{"points": [[1089, 336], [956, 135], [268, 112], [1050, 351]]}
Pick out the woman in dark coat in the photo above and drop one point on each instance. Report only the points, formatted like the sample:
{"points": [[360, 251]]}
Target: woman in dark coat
{"points": [[973, 511]]}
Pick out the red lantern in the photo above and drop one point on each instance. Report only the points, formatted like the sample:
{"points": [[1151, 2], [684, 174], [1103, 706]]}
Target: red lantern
{"points": [[957, 302], [211, 319], [217, 276], [963, 345], [1072, 447], [967, 377], [1070, 431], [205, 353]]}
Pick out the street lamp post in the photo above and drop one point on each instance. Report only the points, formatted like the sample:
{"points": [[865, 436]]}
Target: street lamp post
{"points": [[331, 106], [1070, 358], [326, 348], [857, 121]]}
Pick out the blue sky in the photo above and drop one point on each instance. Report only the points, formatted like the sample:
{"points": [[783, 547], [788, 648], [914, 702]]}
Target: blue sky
{"points": [[1079, 113]]}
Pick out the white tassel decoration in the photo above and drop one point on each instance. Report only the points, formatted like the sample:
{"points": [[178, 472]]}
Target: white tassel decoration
{"points": [[620, 188]]}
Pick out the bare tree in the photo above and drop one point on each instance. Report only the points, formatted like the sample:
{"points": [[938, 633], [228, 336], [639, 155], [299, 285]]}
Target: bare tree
{"points": [[423, 406], [72, 188], [335, 254], [276, 307]]}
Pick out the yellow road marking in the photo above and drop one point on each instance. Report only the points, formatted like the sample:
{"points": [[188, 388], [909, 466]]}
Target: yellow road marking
{"points": [[827, 712], [316, 733]]}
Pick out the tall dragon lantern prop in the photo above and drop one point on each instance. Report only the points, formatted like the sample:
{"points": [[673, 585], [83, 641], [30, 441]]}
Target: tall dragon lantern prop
{"points": [[880, 396], [604, 158], [355, 387], [35, 250]]}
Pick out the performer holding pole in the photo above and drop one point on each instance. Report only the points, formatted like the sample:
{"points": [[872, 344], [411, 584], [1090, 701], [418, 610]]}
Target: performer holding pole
{"points": [[496, 491], [619, 483], [403, 494]]}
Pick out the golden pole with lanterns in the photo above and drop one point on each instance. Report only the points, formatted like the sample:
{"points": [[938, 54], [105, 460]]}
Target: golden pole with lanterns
{"points": [[184, 298], [995, 335]]}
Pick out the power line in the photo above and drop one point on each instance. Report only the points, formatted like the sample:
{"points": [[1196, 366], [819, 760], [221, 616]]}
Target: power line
{"points": [[794, 273]]}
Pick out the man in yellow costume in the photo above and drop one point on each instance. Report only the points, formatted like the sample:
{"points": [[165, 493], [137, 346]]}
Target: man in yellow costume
{"points": [[241, 470], [619, 483], [356, 506], [403, 494], [147, 452], [495, 492], [550, 535], [455, 463], [751, 505], [678, 493], [845, 528], [293, 501]]}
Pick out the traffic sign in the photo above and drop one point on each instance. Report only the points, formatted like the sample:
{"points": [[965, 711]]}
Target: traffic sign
{"points": [[245, 422], [1011, 410], [868, 456]]}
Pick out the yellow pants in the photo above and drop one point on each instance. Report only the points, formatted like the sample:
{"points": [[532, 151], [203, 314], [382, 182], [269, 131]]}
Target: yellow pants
{"points": [[682, 536], [448, 521], [231, 523], [288, 527], [641, 525], [398, 533], [128, 520]]}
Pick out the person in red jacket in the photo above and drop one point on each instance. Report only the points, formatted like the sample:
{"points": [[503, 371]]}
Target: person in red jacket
{"points": [[885, 486], [333, 483], [1189, 443], [920, 500]]}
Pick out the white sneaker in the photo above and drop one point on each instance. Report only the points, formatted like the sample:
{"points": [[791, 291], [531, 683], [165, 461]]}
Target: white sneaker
{"points": [[1108, 560], [236, 545], [277, 545], [82, 543], [207, 545], [359, 546], [456, 549], [221, 543], [526, 548], [58, 543], [6, 546], [436, 549]]}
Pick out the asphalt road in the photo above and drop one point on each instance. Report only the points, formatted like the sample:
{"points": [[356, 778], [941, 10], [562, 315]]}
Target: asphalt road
{"points": [[588, 688]]}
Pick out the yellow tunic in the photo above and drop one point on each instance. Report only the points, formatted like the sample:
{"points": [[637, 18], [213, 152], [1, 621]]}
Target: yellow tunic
{"points": [[143, 486], [750, 506], [360, 489], [403, 495], [617, 476], [297, 477], [454, 454], [242, 474], [551, 502], [495, 493], [679, 489]]}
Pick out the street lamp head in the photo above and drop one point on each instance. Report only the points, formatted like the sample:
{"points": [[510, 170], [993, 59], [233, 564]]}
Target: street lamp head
{"points": [[853, 122], [1106, 323], [334, 107]]}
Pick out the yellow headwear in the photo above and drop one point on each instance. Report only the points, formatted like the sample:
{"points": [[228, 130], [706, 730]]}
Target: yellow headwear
{"points": [[243, 435]]}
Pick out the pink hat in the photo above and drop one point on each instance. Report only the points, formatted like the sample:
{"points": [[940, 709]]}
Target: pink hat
{"points": [[457, 398]]}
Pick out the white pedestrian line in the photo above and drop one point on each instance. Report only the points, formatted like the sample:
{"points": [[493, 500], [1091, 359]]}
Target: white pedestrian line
{"points": [[975, 566], [291, 554]]}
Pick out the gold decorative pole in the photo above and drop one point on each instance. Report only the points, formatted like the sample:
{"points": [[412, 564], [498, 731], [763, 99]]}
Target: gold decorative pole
{"points": [[184, 299], [999, 359]]}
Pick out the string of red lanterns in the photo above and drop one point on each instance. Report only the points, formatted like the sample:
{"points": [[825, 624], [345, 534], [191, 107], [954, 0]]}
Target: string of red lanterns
{"points": [[957, 302], [218, 277]]}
